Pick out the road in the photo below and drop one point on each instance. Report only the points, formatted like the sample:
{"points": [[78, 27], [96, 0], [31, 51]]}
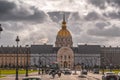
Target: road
{"points": [[90, 76]]}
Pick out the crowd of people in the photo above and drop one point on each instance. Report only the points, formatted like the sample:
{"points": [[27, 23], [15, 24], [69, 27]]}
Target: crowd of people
{"points": [[52, 72]]}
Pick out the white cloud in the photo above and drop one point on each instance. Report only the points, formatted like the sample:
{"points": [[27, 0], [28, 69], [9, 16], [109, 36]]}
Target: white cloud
{"points": [[35, 24]]}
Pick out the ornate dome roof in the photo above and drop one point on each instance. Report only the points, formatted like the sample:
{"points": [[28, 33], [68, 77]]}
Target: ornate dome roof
{"points": [[64, 37], [64, 33]]}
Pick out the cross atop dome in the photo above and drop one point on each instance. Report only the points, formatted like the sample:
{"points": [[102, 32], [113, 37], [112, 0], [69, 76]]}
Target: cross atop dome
{"points": [[64, 22], [64, 17]]}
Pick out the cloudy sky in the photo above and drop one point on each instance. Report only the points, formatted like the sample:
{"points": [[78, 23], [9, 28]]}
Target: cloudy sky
{"points": [[38, 21]]}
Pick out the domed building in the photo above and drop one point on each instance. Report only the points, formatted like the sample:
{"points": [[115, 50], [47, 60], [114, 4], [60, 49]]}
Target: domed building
{"points": [[64, 37], [64, 53]]}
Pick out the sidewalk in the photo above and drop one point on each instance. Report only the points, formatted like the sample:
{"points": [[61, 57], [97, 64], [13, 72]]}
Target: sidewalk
{"points": [[97, 76]]}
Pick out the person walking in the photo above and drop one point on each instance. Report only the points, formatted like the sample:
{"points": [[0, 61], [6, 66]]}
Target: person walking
{"points": [[59, 73], [53, 73], [42, 71]]}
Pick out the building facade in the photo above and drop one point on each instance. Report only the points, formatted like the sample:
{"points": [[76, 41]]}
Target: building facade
{"points": [[110, 56], [63, 53], [8, 56]]}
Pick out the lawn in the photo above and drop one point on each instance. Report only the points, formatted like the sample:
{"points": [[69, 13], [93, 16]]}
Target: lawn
{"points": [[107, 70], [4, 72], [2, 76]]}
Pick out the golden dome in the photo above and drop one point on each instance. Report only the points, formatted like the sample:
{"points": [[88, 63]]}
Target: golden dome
{"points": [[64, 33]]}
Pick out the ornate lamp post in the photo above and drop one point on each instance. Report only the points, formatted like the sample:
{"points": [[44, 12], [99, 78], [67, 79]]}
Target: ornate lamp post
{"points": [[1, 28], [75, 69], [17, 40], [39, 62], [0, 32], [27, 61], [103, 62], [111, 66]]}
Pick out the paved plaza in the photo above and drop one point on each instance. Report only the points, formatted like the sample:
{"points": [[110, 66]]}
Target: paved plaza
{"points": [[90, 76]]}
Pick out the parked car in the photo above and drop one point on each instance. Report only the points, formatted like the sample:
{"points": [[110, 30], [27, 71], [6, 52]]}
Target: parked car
{"points": [[109, 76], [119, 75], [62, 70], [67, 71], [84, 71], [96, 71], [32, 78]]}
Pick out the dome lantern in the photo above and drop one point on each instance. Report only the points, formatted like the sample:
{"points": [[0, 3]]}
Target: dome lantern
{"points": [[64, 22]]}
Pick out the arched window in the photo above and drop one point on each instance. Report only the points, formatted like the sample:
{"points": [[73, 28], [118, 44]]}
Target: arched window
{"points": [[69, 57], [61, 57]]}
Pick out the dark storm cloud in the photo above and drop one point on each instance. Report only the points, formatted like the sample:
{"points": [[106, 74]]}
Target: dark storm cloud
{"points": [[98, 3], [101, 3], [9, 11], [74, 16], [13, 26], [101, 25], [112, 15], [57, 16], [5, 7], [92, 16], [113, 31], [75, 28], [114, 2]]}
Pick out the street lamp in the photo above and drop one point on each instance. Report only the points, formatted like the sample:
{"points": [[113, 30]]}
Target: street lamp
{"points": [[0, 32], [111, 67], [1, 28], [27, 61], [39, 62], [75, 69], [17, 40], [103, 62]]}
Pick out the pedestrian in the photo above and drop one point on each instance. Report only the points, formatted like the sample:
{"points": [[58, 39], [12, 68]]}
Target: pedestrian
{"points": [[42, 71], [53, 73], [59, 73]]}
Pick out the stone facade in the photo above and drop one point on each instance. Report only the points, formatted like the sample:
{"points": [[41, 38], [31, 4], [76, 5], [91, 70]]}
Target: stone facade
{"points": [[110, 55], [87, 54], [8, 56], [65, 57]]}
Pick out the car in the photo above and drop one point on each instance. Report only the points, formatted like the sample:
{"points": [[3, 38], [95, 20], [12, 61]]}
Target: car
{"points": [[84, 71], [109, 76], [96, 71], [62, 70], [119, 75], [32, 78], [67, 71]]}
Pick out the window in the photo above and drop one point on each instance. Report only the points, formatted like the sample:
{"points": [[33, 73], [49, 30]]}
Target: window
{"points": [[69, 57], [61, 57]]}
